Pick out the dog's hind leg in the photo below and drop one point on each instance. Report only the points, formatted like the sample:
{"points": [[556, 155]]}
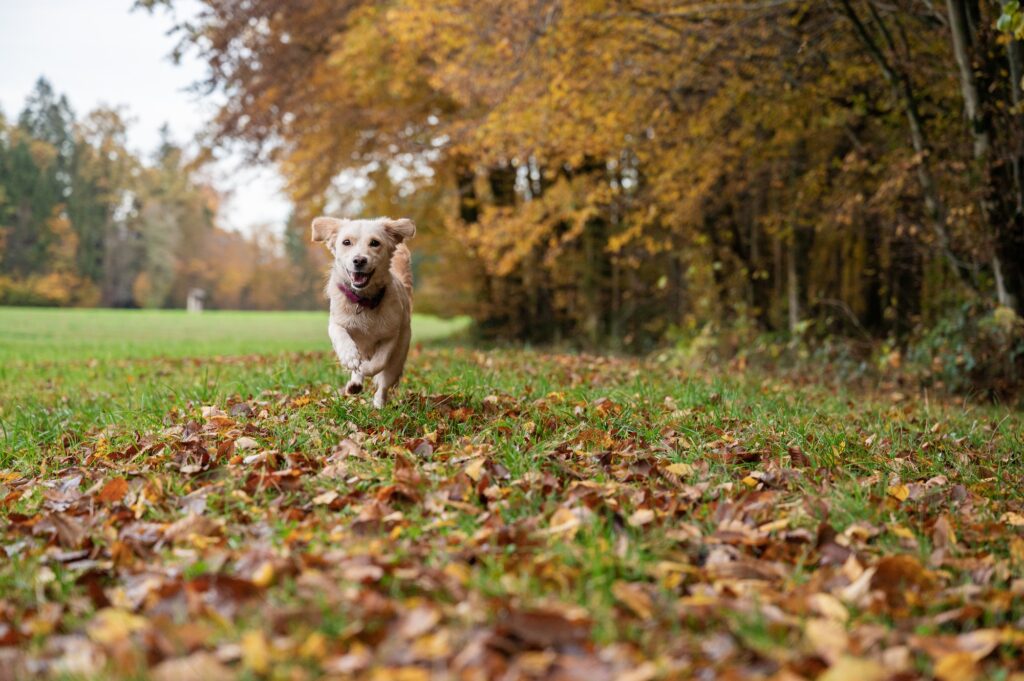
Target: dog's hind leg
{"points": [[355, 384]]}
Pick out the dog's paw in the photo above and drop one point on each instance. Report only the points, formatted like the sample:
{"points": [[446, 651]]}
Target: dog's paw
{"points": [[354, 388], [349, 360]]}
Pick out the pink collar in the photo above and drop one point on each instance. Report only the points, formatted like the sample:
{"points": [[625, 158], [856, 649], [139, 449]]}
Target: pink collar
{"points": [[362, 301]]}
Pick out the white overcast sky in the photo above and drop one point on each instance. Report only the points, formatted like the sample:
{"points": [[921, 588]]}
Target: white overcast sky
{"points": [[100, 52]]}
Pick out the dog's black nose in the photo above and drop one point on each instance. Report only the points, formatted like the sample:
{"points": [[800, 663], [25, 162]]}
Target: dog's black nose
{"points": [[359, 262]]}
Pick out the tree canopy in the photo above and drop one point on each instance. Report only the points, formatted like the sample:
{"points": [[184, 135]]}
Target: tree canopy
{"points": [[616, 169]]}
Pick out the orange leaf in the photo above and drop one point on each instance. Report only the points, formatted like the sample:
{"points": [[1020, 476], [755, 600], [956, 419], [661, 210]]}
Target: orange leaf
{"points": [[113, 492]]}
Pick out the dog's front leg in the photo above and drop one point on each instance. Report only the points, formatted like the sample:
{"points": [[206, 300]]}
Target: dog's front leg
{"points": [[355, 384], [345, 348], [375, 364]]}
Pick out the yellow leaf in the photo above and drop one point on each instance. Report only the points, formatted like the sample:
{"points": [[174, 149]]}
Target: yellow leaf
{"points": [[780, 524], [475, 469], [899, 492], [901, 531], [460, 572], [255, 652], [264, 574], [111, 625], [827, 638], [434, 646], [750, 481], [680, 469], [564, 521], [315, 646], [1017, 550], [1012, 519], [855, 669], [635, 598], [959, 666], [829, 607]]}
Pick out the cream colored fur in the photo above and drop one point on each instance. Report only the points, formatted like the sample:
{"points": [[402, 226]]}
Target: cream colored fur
{"points": [[371, 343]]}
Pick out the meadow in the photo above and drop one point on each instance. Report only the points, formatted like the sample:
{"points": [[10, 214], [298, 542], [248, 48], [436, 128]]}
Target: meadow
{"points": [[192, 497]]}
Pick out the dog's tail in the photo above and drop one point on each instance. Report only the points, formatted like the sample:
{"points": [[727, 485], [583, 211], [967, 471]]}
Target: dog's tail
{"points": [[401, 266]]}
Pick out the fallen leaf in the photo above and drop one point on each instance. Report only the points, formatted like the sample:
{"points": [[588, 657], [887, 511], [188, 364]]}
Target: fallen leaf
{"points": [[827, 638], [564, 521], [829, 607], [255, 652], [634, 597], [899, 492], [855, 669], [958, 666], [199, 666], [680, 469], [111, 625], [325, 498], [901, 578], [1012, 519], [113, 492], [548, 626], [474, 469], [641, 517]]}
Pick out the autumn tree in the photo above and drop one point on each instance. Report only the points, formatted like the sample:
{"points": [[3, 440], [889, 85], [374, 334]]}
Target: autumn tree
{"points": [[619, 169]]}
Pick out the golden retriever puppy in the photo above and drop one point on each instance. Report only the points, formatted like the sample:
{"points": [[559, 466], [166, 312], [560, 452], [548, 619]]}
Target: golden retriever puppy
{"points": [[370, 289]]}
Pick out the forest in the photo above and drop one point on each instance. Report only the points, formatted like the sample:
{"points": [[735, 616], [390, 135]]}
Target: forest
{"points": [[86, 222], [611, 173]]}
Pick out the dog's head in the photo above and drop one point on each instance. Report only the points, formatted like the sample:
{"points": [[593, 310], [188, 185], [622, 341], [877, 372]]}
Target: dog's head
{"points": [[362, 249]]}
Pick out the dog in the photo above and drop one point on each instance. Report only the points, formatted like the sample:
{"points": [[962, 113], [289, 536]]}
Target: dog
{"points": [[370, 289]]}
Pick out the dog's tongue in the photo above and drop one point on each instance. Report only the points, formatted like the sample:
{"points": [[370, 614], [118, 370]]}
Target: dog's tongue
{"points": [[360, 278]]}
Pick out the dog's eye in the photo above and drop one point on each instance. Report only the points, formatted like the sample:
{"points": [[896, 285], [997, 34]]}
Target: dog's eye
{"points": [[374, 243], [346, 242]]}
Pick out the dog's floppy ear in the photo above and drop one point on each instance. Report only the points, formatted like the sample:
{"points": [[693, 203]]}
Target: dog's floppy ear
{"points": [[326, 230], [400, 230]]}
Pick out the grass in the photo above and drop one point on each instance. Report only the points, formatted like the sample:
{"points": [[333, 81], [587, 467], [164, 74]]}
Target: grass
{"points": [[556, 509], [34, 335]]}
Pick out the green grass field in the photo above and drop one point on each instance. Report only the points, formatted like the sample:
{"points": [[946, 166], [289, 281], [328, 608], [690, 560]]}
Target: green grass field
{"points": [[193, 503], [32, 335]]}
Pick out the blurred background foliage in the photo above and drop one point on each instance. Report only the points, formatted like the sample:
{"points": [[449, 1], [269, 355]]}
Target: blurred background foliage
{"points": [[623, 174]]}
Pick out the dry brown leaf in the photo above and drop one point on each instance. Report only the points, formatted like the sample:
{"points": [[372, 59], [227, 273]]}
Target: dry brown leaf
{"points": [[325, 498], [112, 625], [634, 597], [564, 521], [641, 517], [855, 669], [246, 442], [827, 638], [475, 469], [113, 492], [828, 606], [199, 666], [1012, 519]]}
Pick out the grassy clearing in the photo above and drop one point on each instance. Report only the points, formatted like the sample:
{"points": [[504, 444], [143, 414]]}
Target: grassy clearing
{"points": [[39, 335], [512, 513]]}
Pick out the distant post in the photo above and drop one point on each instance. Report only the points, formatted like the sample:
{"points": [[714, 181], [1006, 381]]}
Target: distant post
{"points": [[195, 300]]}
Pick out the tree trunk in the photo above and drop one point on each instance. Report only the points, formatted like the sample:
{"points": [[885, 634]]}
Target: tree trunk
{"points": [[792, 285], [903, 91], [1000, 201]]}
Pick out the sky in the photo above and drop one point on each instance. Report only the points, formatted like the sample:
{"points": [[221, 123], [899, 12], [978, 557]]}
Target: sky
{"points": [[100, 52]]}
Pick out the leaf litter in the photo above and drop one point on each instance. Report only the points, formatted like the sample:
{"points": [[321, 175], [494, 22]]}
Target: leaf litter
{"points": [[582, 530]]}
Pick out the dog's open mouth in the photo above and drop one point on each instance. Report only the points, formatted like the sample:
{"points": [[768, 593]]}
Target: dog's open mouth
{"points": [[360, 279]]}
